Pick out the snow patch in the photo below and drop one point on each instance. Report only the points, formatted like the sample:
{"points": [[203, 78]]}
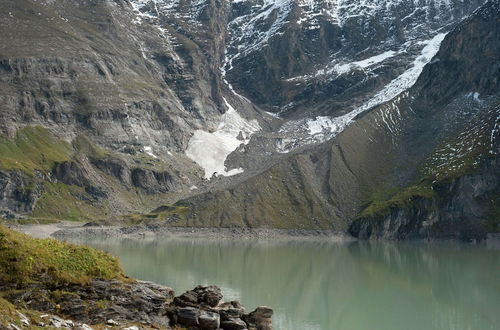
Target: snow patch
{"points": [[210, 150], [475, 96], [323, 128], [363, 64], [149, 151]]}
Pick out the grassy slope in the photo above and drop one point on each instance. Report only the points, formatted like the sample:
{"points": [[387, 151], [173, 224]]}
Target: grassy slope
{"points": [[460, 155], [25, 260], [33, 148]]}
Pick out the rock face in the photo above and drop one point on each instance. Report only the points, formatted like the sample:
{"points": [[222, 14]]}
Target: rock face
{"points": [[201, 308], [101, 301], [308, 55], [415, 156], [153, 306], [309, 112], [461, 208]]}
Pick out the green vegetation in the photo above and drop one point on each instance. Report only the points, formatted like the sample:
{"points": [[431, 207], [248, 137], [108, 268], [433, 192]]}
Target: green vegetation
{"points": [[68, 202], [159, 214], [7, 310], [9, 315], [83, 145], [25, 260], [33, 148], [134, 85], [380, 207]]}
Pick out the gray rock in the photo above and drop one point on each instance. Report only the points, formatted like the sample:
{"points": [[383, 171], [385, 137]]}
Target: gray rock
{"points": [[188, 316], [210, 295], [260, 318], [233, 324], [209, 320]]}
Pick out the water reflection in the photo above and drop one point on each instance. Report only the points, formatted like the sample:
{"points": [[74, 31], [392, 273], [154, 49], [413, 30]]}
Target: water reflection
{"points": [[323, 285]]}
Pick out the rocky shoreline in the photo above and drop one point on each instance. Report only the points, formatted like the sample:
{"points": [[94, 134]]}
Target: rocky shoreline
{"points": [[46, 283], [132, 306], [75, 231]]}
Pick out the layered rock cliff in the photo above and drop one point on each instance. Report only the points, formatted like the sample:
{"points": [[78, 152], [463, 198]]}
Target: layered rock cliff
{"points": [[423, 164], [288, 114]]}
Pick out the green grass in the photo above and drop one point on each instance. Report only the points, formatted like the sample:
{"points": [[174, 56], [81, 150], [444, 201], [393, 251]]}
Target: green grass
{"points": [[9, 315], [159, 214], [33, 148], [25, 260], [381, 207], [83, 145], [66, 202]]}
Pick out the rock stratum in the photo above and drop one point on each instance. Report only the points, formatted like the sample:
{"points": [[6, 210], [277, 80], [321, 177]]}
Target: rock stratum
{"points": [[380, 118]]}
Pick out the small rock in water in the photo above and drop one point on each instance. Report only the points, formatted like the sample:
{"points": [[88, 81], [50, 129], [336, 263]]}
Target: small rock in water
{"points": [[201, 308], [261, 318]]}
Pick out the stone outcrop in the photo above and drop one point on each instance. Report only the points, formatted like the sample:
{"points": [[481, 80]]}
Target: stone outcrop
{"points": [[139, 304], [101, 301], [463, 208], [201, 308]]}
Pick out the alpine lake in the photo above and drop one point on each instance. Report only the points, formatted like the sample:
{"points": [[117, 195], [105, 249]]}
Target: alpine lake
{"points": [[321, 284]]}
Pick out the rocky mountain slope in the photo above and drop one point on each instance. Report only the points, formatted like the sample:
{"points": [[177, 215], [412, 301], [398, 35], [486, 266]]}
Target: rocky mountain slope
{"points": [[272, 113], [423, 164]]}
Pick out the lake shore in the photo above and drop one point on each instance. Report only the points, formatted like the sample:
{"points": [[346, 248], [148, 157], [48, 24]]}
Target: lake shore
{"points": [[71, 231], [74, 231]]}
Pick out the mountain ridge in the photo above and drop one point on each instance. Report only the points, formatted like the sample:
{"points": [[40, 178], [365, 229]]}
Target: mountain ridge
{"points": [[158, 103]]}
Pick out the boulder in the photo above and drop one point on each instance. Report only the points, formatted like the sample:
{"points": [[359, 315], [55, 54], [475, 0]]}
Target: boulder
{"points": [[188, 316], [233, 324], [260, 318], [209, 295], [209, 320], [201, 295], [189, 298], [231, 309]]}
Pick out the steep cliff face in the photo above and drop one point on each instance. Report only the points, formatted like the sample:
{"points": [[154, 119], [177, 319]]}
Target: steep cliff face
{"points": [[131, 84], [465, 208], [462, 171], [426, 159], [327, 57], [116, 107]]}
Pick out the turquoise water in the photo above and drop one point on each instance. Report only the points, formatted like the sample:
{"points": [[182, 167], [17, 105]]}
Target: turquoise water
{"points": [[324, 285]]}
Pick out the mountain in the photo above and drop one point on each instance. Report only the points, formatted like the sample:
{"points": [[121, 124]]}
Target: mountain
{"points": [[376, 117]]}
